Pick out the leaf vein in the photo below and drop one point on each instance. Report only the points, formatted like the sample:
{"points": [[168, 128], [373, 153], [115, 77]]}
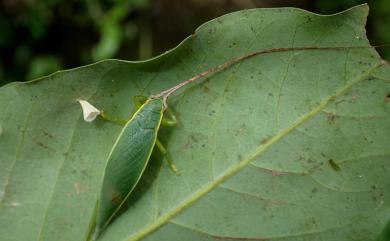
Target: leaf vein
{"points": [[18, 149], [40, 236]]}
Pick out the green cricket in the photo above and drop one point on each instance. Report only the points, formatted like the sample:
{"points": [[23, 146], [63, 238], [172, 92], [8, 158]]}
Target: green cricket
{"points": [[129, 158], [131, 152]]}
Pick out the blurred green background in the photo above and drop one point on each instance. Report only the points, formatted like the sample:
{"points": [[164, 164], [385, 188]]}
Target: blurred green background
{"points": [[38, 37]]}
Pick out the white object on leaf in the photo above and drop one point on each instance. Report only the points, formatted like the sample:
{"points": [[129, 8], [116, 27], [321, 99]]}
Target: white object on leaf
{"points": [[90, 112]]}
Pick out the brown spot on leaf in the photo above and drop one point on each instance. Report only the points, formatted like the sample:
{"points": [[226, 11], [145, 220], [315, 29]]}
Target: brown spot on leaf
{"points": [[330, 116], [194, 138], [239, 156], [205, 88], [48, 134], [80, 188], [241, 130], [355, 95], [44, 146], [278, 174], [387, 97], [264, 141], [334, 165], [116, 197]]}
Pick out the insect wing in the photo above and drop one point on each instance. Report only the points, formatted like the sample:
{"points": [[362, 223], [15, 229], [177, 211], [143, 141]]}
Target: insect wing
{"points": [[127, 161]]}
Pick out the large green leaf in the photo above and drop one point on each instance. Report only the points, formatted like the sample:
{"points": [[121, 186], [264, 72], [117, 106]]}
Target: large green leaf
{"points": [[284, 146]]}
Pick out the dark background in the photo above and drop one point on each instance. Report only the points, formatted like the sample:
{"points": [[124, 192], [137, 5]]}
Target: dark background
{"points": [[38, 37]]}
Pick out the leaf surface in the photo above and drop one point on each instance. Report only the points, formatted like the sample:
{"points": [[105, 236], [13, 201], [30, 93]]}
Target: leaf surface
{"points": [[256, 145]]}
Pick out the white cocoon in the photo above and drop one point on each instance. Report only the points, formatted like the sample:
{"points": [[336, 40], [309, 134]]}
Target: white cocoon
{"points": [[90, 112]]}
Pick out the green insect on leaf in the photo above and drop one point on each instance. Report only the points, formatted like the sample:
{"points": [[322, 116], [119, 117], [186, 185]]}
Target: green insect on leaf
{"points": [[127, 161]]}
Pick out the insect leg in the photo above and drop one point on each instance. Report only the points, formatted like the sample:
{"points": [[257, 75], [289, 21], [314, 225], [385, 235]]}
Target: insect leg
{"points": [[169, 119], [166, 155], [115, 120], [138, 102]]}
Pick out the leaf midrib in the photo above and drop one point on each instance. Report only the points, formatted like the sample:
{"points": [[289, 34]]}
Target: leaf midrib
{"points": [[241, 164]]}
